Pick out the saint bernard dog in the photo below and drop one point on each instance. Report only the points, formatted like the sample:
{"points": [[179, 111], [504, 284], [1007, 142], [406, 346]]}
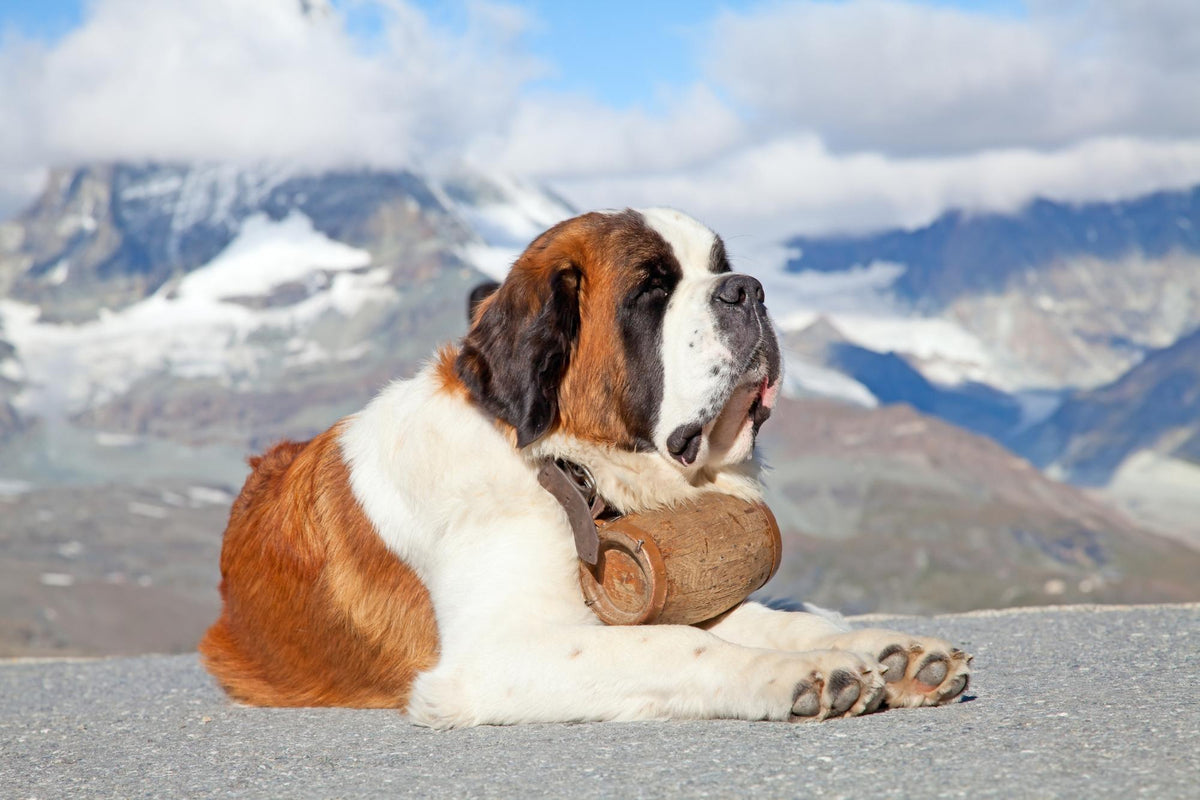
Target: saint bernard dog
{"points": [[409, 558]]}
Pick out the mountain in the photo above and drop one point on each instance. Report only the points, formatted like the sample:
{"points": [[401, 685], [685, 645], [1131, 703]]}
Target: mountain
{"points": [[889, 378], [967, 254], [10, 386], [1154, 406], [228, 306], [889, 509], [1139, 437], [1063, 331], [1055, 296], [159, 322]]}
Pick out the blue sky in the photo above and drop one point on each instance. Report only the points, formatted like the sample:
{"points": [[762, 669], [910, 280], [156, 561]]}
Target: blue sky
{"points": [[621, 52]]}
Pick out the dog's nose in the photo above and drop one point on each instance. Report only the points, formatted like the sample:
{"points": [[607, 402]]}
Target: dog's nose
{"points": [[736, 290]]}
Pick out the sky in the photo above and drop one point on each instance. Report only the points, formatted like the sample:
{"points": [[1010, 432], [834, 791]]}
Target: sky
{"points": [[764, 119]]}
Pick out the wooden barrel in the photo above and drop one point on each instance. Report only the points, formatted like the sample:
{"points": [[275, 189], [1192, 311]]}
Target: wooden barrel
{"points": [[681, 565]]}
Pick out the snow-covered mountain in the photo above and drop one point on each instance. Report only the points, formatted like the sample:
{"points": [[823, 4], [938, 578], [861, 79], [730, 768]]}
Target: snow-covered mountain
{"points": [[992, 321], [213, 304], [1056, 296], [1139, 436]]}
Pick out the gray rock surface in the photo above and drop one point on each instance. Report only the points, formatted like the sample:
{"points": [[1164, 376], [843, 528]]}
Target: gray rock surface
{"points": [[1065, 702]]}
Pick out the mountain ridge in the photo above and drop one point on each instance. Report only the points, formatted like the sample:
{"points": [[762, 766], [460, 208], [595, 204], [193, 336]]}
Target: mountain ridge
{"points": [[963, 252]]}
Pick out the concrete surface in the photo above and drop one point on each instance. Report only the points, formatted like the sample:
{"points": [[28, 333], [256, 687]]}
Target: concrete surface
{"points": [[1065, 702]]}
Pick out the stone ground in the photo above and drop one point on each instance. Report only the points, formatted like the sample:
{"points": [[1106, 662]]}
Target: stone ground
{"points": [[1065, 702]]}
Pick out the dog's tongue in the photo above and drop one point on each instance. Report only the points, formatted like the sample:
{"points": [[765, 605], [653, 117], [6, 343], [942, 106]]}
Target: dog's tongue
{"points": [[768, 393]]}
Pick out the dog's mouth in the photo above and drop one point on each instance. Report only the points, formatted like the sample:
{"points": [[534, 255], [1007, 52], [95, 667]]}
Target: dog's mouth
{"points": [[748, 406]]}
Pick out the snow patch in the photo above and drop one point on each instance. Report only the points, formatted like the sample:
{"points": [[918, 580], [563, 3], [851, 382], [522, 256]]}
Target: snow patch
{"points": [[193, 331], [1161, 491], [1037, 406], [147, 510], [525, 212], [206, 495], [57, 275], [12, 370], [10, 487], [107, 439], [860, 303], [1148, 470], [507, 225], [946, 353], [491, 260], [804, 379], [267, 254]]}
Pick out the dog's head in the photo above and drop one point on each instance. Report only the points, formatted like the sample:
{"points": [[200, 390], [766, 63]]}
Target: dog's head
{"points": [[628, 330]]}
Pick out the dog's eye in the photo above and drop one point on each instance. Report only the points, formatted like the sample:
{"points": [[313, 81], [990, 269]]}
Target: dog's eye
{"points": [[653, 290]]}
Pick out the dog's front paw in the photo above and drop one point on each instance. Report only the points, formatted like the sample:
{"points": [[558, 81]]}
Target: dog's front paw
{"points": [[921, 670], [835, 684]]}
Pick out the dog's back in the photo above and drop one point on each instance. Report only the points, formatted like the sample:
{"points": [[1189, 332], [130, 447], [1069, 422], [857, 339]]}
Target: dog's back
{"points": [[316, 610]]}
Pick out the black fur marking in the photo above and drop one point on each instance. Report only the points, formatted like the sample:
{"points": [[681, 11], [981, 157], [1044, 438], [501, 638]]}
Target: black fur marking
{"points": [[512, 364], [640, 321], [480, 293], [718, 262]]}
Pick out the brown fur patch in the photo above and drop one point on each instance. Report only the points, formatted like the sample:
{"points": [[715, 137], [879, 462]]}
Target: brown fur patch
{"points": [[607, 250], [317, 612], [448, 381]]}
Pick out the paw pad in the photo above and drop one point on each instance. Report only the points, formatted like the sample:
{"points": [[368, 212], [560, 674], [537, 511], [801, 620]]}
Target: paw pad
{"points": [[934, 671], [844, 689], [807, 702], [895, 658]]}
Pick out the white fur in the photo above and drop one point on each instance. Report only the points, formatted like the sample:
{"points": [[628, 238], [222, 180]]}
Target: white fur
{"points": [[448, 494], [697, 364], [691, 242]]}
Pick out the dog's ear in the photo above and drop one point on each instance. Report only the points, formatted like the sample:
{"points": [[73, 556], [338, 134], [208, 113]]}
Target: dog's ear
{"points": [[480, 293], [513, 358]]}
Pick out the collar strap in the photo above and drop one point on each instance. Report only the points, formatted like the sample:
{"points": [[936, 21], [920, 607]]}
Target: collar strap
{"points": [[573, 486]]}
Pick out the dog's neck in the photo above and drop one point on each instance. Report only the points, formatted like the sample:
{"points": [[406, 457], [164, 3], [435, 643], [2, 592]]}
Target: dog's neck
{"points": [[630, 481]]}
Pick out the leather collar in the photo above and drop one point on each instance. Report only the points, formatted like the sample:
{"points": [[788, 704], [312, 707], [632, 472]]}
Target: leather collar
{"points": [[573, 486]]}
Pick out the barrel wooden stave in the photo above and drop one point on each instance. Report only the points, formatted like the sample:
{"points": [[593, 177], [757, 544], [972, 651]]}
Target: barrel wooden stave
{"points": [[684, 564]]}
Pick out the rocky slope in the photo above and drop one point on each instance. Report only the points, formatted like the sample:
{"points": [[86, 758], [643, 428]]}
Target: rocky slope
{"points": [[1058, 295], [890, 509], [1154, 406], [11, 383], [1138, 436]]}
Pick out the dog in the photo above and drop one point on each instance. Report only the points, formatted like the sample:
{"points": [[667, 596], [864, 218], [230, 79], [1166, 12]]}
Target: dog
{"points": [[409, 558]]}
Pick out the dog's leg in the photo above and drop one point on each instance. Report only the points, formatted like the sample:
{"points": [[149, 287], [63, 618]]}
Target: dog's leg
{"points": [[922, 671], [561, 673]]}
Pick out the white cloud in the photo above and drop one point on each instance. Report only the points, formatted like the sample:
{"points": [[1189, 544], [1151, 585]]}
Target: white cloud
{"points": [[570, 136], [867, 114], [904, 78], [236, 80], [796, 185], [812, 117]]}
